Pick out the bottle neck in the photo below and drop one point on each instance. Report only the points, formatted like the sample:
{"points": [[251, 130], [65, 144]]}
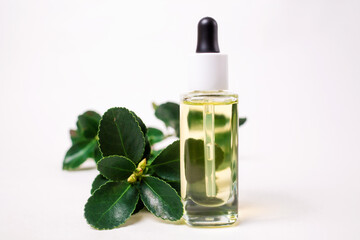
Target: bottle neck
{"points": [[208, 72]]}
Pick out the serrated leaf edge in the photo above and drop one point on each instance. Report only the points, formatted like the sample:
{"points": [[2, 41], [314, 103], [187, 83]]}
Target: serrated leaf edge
{"points": [[138, 197], [98, 133], [161, 152], [166, 219], [143, 134], [99, 186], [114, 156], [134, 114]]}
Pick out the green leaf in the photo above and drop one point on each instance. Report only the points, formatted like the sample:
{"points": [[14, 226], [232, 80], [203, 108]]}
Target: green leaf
{"points": [[116, 168], [169, 113], [175, 185], [147, 149], [242, 121], [155, 135], [194, 160], [111, 205], [78, 154], [88, 124], [161, 199], [97, 153], [98, 182], [141, 123], [87, 127], [167, 164], [76, 137], [120, 134], [153, 155], [93, 115]]}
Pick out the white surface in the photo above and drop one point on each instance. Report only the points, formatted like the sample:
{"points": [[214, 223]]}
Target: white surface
{"points": [[208, 71], [295, 65]]}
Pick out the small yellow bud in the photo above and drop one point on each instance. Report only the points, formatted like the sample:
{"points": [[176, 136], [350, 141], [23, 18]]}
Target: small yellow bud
{"points": [[142, 164], [132, 178], [138, 172]]}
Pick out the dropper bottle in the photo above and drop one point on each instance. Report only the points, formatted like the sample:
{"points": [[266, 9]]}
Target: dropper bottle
{"points": [[208, 135]]}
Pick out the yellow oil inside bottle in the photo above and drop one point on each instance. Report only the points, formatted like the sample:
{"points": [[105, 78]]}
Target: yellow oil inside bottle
{"points": [[209, 144]]}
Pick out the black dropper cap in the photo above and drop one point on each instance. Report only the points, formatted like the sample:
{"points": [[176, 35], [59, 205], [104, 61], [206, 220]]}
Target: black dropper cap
{"points": [[207, 36]]}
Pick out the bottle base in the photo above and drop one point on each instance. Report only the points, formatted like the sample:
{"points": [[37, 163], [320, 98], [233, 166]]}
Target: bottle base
{"points": [[210, 221]]}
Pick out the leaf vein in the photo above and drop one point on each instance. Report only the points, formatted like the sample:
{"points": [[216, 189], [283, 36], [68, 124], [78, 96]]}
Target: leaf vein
{"points": [[121, 169], [117, 200], [119, 132], [155, 165]]}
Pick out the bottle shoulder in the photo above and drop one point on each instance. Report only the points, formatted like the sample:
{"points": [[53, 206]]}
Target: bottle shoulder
{"points": [[209, 97]]}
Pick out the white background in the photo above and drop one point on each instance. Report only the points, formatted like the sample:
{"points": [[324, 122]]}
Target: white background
{"points": [[295, 65]]}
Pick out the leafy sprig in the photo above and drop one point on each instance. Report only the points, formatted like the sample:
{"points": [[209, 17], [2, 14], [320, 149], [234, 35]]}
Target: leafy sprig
{"points": [[84, 141], [126, 179]]}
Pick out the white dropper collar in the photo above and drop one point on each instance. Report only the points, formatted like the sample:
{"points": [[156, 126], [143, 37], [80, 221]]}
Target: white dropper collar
{"points": [[208, 68], [208, 72]]}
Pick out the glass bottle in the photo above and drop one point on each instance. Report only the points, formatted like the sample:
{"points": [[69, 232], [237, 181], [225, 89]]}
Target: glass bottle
{"points": [[209, 137]]}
